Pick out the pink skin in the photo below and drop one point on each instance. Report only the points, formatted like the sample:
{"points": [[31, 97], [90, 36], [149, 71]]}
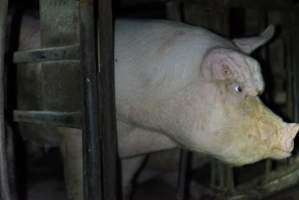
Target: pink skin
{"points": [[288, 137]]}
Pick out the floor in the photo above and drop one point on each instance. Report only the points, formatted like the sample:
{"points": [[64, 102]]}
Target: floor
{"points": [[152, 190], [46, 183]]}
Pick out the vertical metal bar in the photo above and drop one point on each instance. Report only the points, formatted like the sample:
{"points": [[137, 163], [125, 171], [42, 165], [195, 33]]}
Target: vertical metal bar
{"points": [[295, 66], [4, 184], [111, 183], [287, 21], [230, 178], [182, 187], [173, 10], [92, 154], [268, 168]]}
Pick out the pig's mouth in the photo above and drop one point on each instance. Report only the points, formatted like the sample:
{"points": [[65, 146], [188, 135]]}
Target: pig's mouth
{"points": [[289, 144], [280, 154]]}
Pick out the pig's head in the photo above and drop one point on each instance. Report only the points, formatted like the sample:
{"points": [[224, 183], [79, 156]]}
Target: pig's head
{"points": [[249, 130]]}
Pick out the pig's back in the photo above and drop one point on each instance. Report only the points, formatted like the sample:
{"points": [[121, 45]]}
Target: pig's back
{"points": [[155, 58]]}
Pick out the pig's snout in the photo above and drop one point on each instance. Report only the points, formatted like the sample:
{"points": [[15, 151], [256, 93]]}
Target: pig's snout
{"points": [[289, 133]]}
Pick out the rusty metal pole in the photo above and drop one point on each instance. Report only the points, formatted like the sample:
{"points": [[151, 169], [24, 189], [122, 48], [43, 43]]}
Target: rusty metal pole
{"points": [[100, 167], [184, 166], [111, 179], [4, 183], [92, 154]]}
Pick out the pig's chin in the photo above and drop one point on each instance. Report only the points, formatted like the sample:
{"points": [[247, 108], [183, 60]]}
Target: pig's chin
{"points": [[250, 151], [260, 142]]}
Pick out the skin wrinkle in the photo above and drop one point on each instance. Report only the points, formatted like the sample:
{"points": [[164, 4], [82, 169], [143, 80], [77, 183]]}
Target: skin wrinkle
{"points": [[251, 81], [238, 70], [257, 84], [169, 42], [248, 78], [244, 74], [239, 75]]}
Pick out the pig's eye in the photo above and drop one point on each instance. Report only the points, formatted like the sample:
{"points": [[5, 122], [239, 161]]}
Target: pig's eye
{"points": [[238, 89]]}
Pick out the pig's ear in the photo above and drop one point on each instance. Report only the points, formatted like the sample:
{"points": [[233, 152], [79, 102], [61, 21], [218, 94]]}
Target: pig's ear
{"points": [[249, 44], [218, 65]]}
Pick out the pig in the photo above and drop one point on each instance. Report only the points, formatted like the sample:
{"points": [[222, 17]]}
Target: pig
{"points": [[179, 85], [199, 89]]}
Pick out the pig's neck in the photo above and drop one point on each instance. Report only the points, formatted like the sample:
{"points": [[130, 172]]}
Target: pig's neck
{"points": [[194, 114], [185, 116]]}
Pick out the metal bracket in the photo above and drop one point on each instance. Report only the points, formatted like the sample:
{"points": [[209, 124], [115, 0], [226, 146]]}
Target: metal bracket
{"points": [[71, 53], [62, 119]]}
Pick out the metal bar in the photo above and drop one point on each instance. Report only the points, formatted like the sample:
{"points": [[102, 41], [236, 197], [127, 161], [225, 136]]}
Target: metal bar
{"points": [[91, 137], [280, 5], [230, 178], [268, 168], [4, 182], [288, 61], [47, 54], [182, 189], [295, 62], [277, 181], [62, 119], [253, 4], [111, 179], [173, 10], [259, 187]]}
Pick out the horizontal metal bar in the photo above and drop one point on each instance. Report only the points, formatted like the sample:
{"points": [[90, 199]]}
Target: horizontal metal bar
{"points": [[252, 4], [47, 54], [266, 5], [61, 119], [260, 187], [276, 181]]}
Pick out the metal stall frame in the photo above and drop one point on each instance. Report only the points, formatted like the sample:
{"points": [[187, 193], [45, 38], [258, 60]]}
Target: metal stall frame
{"points": [[4, 182], [100, 139], [96, 55]]}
